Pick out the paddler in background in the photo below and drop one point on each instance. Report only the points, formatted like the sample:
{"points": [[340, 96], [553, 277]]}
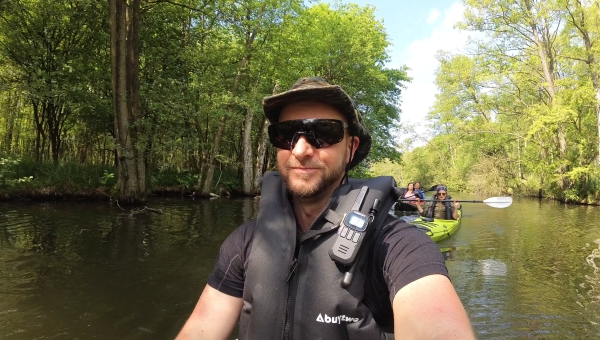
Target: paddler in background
{"points": [[418, 191], [441, 207]]}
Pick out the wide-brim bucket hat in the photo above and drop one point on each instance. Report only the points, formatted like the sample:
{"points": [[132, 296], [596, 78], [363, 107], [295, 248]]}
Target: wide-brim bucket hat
{"points": [[318, 89]]}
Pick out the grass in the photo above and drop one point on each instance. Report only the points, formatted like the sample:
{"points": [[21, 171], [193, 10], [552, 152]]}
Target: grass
{"points": [[27, 179]]}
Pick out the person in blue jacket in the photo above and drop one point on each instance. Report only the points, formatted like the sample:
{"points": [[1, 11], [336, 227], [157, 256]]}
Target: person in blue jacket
{"points": [[418, 191]]}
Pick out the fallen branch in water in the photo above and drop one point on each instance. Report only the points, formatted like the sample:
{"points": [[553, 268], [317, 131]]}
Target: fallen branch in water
{"points": [[145, 210]]}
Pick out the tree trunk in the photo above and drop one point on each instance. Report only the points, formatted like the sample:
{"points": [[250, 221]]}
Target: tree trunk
{"points": [[12, 109], [40, 135], [547, 60], [597, 108], [219, 136], [124, 52], [248, 183], [244, 62], [56, 115], [520, 168], [592, 64], [261, 154], [546, 54], [211, 166]]}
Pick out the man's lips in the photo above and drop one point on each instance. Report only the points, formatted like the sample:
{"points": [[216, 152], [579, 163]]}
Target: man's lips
{"points": [[303, 169]]}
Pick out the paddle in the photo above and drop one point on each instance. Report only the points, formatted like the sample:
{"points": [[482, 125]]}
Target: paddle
{"points": [[494, 202]]}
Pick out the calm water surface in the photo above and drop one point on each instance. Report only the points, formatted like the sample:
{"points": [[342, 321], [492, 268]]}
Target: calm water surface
{"points": [[93, 271]]}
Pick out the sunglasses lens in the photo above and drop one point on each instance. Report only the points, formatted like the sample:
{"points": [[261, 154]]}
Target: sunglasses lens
{"points": [[318, 132]]}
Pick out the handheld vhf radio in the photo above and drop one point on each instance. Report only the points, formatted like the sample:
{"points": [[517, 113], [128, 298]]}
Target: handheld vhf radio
{"points": [[352, 231]]}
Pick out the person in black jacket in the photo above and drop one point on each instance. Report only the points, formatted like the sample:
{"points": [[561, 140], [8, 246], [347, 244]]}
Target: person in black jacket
{"points": [[404, 286], [442, 207]]}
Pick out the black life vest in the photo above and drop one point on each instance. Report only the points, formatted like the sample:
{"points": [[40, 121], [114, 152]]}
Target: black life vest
{"points": [[447, 212], [308, 302]]}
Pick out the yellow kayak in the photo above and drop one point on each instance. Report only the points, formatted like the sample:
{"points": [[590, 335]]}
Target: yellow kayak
{"points": [[438, 229]]}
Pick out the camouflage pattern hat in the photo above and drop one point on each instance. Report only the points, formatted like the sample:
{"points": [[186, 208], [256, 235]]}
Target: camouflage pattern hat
{"points": [[318, 89]]}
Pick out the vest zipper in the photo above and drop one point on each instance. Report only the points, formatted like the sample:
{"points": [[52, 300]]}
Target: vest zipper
{"points": [[291, 281], [288, 310], [292, 270]]}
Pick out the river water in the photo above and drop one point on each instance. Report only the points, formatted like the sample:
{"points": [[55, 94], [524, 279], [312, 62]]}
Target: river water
{"points": [[94, 271]]}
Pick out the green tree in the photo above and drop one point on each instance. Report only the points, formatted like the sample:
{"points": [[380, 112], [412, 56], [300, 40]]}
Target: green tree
{"points": [[46, 44], [347, 45]]}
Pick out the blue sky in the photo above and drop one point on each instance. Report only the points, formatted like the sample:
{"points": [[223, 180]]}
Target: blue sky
{"points": [[418, 30]]}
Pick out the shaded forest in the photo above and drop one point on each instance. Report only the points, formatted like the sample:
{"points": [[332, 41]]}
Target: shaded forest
{"points": [[131, 97], [140, 94]]}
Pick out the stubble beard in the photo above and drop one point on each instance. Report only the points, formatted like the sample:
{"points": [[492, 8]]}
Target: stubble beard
{"points": [[303, 188]]}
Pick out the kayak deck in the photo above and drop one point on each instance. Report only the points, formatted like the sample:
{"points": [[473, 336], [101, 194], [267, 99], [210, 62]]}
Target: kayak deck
{"points": [[438, 229]]}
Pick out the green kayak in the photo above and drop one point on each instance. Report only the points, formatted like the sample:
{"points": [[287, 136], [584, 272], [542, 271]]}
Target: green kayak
{"points": [[438, 229]]}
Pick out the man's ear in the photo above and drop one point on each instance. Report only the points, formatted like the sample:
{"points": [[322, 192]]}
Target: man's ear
{"points": [[353, 143]]}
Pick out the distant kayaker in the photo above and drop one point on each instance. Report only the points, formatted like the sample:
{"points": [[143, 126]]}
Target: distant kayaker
{"points": [[418, 191], [276, 276], [441, 207], [410, 193]]}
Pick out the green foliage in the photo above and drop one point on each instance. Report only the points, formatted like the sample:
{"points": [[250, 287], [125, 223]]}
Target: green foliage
{"points": [[388, 168], [106, 178], [69, 176], [350, 51], [8, 173], [520, 112], [169, 178]]}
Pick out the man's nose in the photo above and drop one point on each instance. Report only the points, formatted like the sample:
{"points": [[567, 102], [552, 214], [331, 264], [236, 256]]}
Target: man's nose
{"points": [[302, 147]]}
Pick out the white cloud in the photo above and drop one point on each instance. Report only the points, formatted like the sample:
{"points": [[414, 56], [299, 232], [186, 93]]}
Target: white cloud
{"points": [[434, 14], [419, 96]]}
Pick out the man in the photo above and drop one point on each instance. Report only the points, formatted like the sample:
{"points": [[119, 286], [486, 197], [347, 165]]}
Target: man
{"points": [[276, 274], [441, 207], [418, 191]]}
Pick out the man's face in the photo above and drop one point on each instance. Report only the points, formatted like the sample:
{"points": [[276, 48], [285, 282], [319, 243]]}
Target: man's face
{"points": [[309, 171]]}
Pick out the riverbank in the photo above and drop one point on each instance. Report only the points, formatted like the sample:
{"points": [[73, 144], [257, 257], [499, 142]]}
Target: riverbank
{"points": [[106, 194], [101, 194], [25, 180]]}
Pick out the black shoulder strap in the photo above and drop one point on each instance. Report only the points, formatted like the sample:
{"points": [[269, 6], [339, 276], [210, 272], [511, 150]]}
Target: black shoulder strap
{"points": [[274, 231], [381, 188]]}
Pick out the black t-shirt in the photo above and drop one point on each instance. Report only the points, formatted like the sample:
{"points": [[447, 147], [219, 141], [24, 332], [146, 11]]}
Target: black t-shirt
{"points": [[400, 255]]}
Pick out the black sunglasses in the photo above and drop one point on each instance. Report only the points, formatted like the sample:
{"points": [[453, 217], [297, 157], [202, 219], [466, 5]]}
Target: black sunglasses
{"points": [[319, 133]]}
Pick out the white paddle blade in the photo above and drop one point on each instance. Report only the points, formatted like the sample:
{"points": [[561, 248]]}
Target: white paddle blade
{"points": [[498, 202]]}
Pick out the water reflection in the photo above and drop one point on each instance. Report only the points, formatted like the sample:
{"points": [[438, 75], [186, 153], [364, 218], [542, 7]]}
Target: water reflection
{"points": [[491, 267], [590, 302], [448, 253], [84, 271], [90, 271]]}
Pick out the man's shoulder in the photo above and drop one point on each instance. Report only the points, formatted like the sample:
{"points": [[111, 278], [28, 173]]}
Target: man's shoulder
{"points": [[393, 222], [243, 233], [247, 227], [398, 230]]}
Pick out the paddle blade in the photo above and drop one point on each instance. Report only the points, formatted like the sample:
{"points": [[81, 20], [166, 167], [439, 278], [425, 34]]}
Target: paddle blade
{"points": [[498, 202]]}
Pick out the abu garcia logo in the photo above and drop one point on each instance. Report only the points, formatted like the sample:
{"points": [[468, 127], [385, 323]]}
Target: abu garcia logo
{"points": [[336, 319]]}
